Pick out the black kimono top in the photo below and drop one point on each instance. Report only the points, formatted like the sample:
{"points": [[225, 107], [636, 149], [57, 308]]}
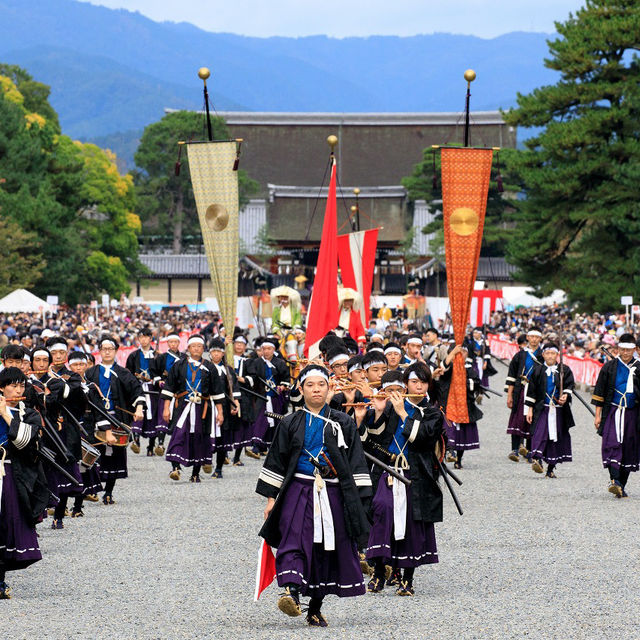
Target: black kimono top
{"points": [[283, 458]]}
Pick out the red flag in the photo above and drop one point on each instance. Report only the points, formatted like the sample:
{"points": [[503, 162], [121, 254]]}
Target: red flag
{"points": [[357, 257], [266, 569], [324, 311]]}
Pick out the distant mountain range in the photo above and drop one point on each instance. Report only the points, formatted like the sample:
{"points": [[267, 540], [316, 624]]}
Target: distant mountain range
{"points": [[114, 71]]}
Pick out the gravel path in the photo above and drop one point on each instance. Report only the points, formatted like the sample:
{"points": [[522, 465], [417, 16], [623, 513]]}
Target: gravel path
{"points": [[531, 557]]}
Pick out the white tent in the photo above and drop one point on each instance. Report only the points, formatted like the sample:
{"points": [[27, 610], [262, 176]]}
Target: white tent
{"points": [[22, 300]]}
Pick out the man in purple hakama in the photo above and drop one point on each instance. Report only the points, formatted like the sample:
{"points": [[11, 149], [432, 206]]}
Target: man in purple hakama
{"points": [[520, 369], [190, 385], [549, 412], [315, 478], [461, 437], [404, 433], [23, 486], [616, 399]]}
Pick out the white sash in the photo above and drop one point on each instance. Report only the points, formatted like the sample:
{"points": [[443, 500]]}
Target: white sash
{"points": [[323, 529], [399, 508], [621, 410], [553, 418]]}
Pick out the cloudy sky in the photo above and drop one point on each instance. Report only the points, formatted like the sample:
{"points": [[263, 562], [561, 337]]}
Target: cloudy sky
{"points": [[340, 18]]}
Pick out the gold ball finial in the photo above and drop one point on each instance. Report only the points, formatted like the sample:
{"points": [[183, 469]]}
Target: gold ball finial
{"points": [[354, 208], [332, 141], [204, 73], [469, 75], [356, 191]]}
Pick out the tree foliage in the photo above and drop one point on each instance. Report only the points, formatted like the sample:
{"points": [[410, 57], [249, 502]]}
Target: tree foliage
{"points": [[579, 225], [166, 202], [67, 197]]}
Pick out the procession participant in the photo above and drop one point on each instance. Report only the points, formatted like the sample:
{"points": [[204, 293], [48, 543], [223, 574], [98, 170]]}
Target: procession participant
{"points": [[402, 534], [23, 487], [91, 484], [461, 437], [479, 351], [375, 366], [163, 364], [190, 384], [246, 415], [59, 387], [549, 412], [286, 314], [616, 397], [315, 479], [435, 351], [142, 363], [300, 335], [413, 349], [393, 354], [342, 388], [117, 391], [13, 356], [349, 318], [269, 374], [520, 369], [226, 394], [25, 365]]}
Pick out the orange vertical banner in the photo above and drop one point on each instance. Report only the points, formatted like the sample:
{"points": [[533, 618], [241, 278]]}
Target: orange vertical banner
{"points": [[465, 184]]}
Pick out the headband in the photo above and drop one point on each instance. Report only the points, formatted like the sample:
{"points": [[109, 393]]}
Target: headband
{"points": [[626, 345], [196, 338], [414, 376], [414, 341], [26, 357], [534, 332], [216, 348], [365, 366], [173, 336], [392, 350], [41, 352], [108, 342], [340, 356], [59, 346], [240, 339], [551, 349], [320, 373], [394, 383], [377, 335]]}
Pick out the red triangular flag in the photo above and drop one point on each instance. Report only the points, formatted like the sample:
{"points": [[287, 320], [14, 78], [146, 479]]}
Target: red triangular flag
{"points": [[266, 569], [324, 311]]}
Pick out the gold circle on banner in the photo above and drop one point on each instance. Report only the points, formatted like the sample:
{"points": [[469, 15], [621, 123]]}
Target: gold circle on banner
{"points": [[464, 221], [217, 217]]}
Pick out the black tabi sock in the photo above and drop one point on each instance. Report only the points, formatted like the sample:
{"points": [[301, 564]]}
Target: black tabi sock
{"points": [[624, 477], [408, 575], [293, 588], [460, 454], [196, 469], [515, 442], [237, 454], [550, 468], [77, 503], [108, 486], [220, 458], [527, 443], [61, 507], [152, 441], [2, 575], [315, 604], [175, 466], [614, 473], [379, 568]]}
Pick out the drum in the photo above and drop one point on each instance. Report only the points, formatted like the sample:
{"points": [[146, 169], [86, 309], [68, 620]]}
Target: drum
{"points": [[121, 436], [89, 455]]}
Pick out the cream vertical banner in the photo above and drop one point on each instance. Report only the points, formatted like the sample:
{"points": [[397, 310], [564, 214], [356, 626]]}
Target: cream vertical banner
{"points": [[215, 188]]}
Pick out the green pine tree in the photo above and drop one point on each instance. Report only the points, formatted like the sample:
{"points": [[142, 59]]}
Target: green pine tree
{"points": [[579, 227]]}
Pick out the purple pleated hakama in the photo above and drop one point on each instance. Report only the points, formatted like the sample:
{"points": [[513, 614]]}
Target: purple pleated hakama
{"points": [[518, 425], [149, 427], [463, 437], [621, 455], [301, 561], [91, 480], [419, 544], [113, 462], [542, 447], [18, 541], [262, 430], [186, 448], [59, 484]]}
